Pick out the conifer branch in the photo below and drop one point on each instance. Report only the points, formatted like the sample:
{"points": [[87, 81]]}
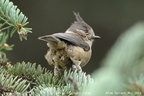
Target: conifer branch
{"points": [[12, 21]]}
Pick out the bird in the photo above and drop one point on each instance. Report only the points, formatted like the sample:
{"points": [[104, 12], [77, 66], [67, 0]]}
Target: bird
{"points": [[71, 49]]}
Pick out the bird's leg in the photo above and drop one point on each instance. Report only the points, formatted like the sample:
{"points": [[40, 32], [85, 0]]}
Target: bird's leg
{"points": [[57, 70], [76, 65]]}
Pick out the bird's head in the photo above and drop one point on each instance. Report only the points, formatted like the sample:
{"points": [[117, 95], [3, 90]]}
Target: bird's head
{"points": [[82, 29]]}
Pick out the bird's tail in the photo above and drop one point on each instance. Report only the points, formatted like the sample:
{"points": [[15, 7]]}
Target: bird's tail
{"points": [[49, 38]]}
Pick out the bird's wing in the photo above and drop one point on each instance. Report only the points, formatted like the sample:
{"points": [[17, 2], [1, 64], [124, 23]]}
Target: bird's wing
{"points": [[66, 37], [73, 39]]}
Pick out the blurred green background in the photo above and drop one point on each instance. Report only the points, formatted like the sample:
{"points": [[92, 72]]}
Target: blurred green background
{"points": [[108, 18]]}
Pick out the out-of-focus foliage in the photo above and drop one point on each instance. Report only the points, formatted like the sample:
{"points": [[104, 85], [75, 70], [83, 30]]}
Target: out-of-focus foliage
{"points": [[122, 72]]}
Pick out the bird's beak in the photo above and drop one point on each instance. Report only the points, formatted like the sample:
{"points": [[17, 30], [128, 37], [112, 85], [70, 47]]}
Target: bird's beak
{"points": [[96, 37]]}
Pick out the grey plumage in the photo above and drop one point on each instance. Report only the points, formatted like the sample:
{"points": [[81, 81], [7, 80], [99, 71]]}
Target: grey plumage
{"points": [[69, 38]]}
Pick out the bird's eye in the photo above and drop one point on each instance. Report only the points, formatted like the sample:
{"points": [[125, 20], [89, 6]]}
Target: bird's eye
{"points": [[86, 31]]}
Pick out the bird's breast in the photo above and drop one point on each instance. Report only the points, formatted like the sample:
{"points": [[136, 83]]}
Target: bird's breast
{"points": [[77, 53]]}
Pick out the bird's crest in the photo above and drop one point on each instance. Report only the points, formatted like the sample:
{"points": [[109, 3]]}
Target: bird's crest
{"points": [[79, 24]]}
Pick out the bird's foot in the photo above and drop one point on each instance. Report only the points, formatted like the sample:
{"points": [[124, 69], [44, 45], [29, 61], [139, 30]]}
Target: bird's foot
{"points": [[76, 67], [57, 71]]}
